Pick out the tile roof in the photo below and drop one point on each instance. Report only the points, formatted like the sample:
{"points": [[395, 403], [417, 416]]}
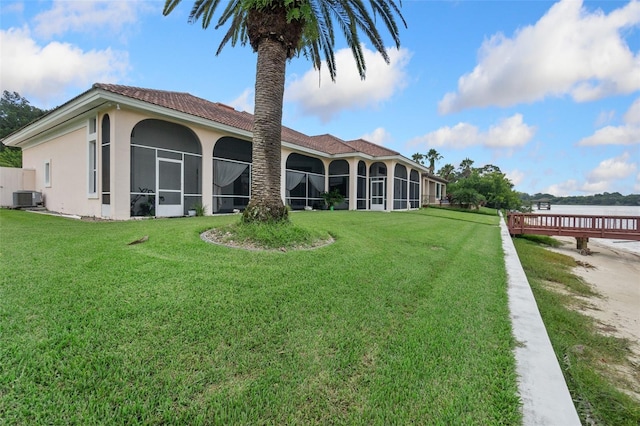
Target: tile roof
{"points": [[186, 103], [223, 114], [371, 148]]}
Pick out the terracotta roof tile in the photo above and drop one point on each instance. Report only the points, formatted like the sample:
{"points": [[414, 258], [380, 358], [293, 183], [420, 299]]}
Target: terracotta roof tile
{"points": [[186, 103], [371, 148], [223, 114], [331, 144]]}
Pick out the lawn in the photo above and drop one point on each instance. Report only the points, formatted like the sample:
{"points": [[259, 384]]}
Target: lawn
{"points": [[590, 361], [403, 319]]}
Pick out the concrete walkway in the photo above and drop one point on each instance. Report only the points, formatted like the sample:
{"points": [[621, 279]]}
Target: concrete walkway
{"points": [[545, 397]]}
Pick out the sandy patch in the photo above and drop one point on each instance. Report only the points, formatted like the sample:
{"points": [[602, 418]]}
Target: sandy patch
{"points": [[615, 274]]}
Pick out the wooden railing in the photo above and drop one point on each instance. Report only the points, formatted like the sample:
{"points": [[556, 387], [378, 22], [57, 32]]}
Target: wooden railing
{"points": [[579, 226]]}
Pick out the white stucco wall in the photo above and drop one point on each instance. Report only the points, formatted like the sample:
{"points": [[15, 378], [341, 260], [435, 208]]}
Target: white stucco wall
{"points": [[67, 154]]}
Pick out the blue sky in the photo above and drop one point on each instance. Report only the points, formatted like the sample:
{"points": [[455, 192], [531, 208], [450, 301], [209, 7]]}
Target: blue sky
{"points": [[547, 91]]}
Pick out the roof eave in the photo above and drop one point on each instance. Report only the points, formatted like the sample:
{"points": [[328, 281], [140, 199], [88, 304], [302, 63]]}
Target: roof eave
{"points": [[93, 100], [75, 108]]}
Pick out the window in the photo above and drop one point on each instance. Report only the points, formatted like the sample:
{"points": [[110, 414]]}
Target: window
{"points": [[92, 158], [106, 160], [93, 172], [47, 173]]}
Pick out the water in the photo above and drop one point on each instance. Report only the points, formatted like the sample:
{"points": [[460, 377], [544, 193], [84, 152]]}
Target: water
{"points": [[632, 246]]}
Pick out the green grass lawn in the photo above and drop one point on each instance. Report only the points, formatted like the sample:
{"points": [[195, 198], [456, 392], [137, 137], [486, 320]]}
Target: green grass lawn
{"points": [[587, 357], [403, 319]]}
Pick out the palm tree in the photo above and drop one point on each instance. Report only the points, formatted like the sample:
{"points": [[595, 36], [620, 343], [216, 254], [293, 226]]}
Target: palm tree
{"points": [[278, 30], [418, 158], [465, 167], [433, 156], [446, 171]]}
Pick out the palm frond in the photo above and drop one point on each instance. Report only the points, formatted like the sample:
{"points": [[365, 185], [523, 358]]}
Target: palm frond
{"points": [[237, 31], [169, 5], [317, 42]]}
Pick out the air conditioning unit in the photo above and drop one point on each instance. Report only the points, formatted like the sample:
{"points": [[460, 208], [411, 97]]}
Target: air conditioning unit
{"points": [[27, 199]]}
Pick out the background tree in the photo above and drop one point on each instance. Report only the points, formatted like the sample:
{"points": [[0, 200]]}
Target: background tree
{"points": [[466, 167], [447, 172], [418, 158], [15, 113], [278, 30], [466, 193], [482, 188], [433, 156]]}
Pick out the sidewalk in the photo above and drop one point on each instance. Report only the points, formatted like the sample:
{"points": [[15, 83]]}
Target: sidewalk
{"points": [[545, 397]]}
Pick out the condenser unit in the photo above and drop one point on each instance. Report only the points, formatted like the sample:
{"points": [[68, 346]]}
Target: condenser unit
{"points": [[27, 199]]}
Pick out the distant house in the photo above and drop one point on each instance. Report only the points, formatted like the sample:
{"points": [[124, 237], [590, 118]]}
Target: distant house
{"points": [[434, 189], [120, 152]]}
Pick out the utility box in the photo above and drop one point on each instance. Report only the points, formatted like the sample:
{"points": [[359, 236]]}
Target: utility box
{"points": [[13, 179], [27, 199]]}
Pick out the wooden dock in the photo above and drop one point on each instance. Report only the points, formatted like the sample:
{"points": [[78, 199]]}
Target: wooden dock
{"points": [[582, 227], [544, 204]]}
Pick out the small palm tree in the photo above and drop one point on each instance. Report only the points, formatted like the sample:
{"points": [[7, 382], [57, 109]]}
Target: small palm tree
{"points": [[446, 171], [278, 30], [465, 167], [418, 158], [433, 156]]}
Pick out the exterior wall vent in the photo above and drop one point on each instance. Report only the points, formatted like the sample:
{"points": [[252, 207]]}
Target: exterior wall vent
{"points": [[27, 199]]}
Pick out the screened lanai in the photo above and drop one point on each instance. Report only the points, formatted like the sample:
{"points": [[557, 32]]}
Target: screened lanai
{"points": [[231, 175], [304, 182], [339, 180], [361, 197], [378, 186], [166, 169]]}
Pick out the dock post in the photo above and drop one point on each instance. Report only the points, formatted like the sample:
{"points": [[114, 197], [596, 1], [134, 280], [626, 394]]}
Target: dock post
{"points": [[581, 243]]}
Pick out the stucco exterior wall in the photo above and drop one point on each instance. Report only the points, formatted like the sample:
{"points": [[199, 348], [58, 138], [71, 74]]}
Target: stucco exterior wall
{"points": [[67, 155], [123, 121]]}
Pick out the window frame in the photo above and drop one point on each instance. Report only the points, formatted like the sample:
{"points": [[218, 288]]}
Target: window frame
{"points": [[47, 173], [92, 157]]}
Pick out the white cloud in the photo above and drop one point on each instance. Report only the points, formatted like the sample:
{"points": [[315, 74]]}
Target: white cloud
{"points": [[605, 117], [244, 102], [349, 91], [626, 134], [568, 51], [562, 189], [459, 136], [379, 136], [605, 177], [515, 176], [595, 187], [612, 169], [636, 187], [632, 116], [509, 133], [88, 16], [17, 7], [41, 73], [613, 135]]}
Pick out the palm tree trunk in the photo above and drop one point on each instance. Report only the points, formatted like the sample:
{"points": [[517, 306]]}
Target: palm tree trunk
{"points": [[266, 202]]}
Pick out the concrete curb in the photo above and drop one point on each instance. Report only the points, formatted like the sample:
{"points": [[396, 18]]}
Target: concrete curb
{"points": [[545, 397]]}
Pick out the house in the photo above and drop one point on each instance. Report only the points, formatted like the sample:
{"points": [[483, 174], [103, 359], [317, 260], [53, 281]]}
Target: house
{"points": [[120, 152], [434, 189]]}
